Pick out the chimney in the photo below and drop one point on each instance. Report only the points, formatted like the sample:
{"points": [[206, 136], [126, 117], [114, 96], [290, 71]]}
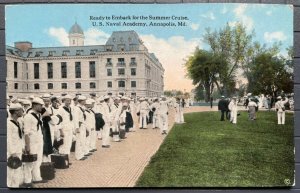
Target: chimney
{"points": [[23, 46]]}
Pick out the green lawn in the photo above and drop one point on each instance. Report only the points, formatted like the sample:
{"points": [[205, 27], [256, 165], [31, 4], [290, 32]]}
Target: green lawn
{"points": [[205, 152]]}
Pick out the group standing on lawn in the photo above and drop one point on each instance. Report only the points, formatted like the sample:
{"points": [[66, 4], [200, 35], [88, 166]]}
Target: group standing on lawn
{"points": [[229, 107], [42, 127]]}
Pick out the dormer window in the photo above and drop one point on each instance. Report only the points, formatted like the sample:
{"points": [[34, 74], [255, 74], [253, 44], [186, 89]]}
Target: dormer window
{"points": [[65, 52], [51, 53], [38, 54], [93, 52], [78, 52], [109, 48]]}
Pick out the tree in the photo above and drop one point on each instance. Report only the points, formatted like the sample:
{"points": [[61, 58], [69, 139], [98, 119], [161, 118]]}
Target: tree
{"points": [[232, 44], [271, 74], [204, 68]]}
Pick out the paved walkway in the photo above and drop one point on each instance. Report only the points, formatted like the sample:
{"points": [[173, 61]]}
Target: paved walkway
{"points": [[118, 166]]}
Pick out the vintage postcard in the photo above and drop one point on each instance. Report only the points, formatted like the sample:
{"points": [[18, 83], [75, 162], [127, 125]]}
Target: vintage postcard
{"points": [[141, 95]]}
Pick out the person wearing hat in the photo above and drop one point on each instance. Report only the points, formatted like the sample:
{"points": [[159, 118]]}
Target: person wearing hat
{"points": [[233, 110], [155, 109], [222, 106], [80, 128], [163, 114], [143, 109], [132, 107], [99, 117], [15, 143], [90, 141], [34, 141], [280, 108], [67, 125], [108, 119], [252, 109], [178, 112], [116, 109]]}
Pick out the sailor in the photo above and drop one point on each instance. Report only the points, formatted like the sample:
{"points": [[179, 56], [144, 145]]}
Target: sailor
{"points": [[99, 118], [15, 145], [178, 112], [233, 110], [116, 111], [142, 111], [155, 109], [80, 128], [280, 108], [163, 113], [132, 107], [34, 141], [108, 119], [90, 144], [252, 109], [67, 125]]}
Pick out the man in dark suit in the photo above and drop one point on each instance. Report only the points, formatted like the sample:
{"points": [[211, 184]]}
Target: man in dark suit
{"points": [[222, 106]]}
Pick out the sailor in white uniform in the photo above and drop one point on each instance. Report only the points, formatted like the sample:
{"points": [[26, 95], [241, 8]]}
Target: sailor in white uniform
{"points": [[34, 141], [143, 110], [67, 125], [280, 108], [15, 145], [155, 108], [163, 113], [233, 110], [178, 112], [108, 119]]}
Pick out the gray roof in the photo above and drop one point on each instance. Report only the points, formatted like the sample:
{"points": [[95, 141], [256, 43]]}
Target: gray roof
{"points": [[56, 51], [129, 40], [76, 29]]}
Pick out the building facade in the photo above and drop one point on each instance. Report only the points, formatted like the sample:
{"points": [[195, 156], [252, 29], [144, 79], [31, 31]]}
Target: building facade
{"points": [[122, 66]]}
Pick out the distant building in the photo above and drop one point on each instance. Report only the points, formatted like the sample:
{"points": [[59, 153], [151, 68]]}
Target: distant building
{"points": [[122, 66]]}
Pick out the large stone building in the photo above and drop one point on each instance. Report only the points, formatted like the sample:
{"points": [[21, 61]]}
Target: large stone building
{"points": [[122, 66]]}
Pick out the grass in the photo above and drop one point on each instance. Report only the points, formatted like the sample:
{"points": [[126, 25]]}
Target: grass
{"points": [[205, 152]]}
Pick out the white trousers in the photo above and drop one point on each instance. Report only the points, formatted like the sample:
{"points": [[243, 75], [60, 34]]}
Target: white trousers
{"points": [[155, 121], [15, 177], [233, 117], [143, 119], [281, 118], [105, 134], [80, 142], [32, 169], [65, 148], [93, 139], [164, 122]]}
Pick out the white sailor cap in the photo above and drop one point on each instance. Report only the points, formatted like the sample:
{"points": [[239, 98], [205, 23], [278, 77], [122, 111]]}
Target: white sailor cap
{"points": [[46, 96], [88, 101], [279, 97], [92, 100], [67, 97], [26, 102], [15, 106], [117, 98], [234, 97], [142, 99], [106, 97], [38, 100], [81, 98], [31, 97]]}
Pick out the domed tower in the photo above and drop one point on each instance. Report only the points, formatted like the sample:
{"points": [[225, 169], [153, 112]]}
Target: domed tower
{"points": [[76, 36]]}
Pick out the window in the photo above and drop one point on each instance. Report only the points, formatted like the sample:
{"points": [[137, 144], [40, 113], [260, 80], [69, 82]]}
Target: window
{"points": [[121, 61], [109, 72], [36, 86], [92, 85], [16, 69], [121, 84], [65, 52], [16, 86], [78, 85], [51, 53], [77, 70], [133, 84], [36, 70], [121, 71], [109, 48], [78, 52], [50, 85], [108, 61], [92, 69], [64, 85], [63, 70], [93, 52], [50, 70], [109, 84], [133, 71]]}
